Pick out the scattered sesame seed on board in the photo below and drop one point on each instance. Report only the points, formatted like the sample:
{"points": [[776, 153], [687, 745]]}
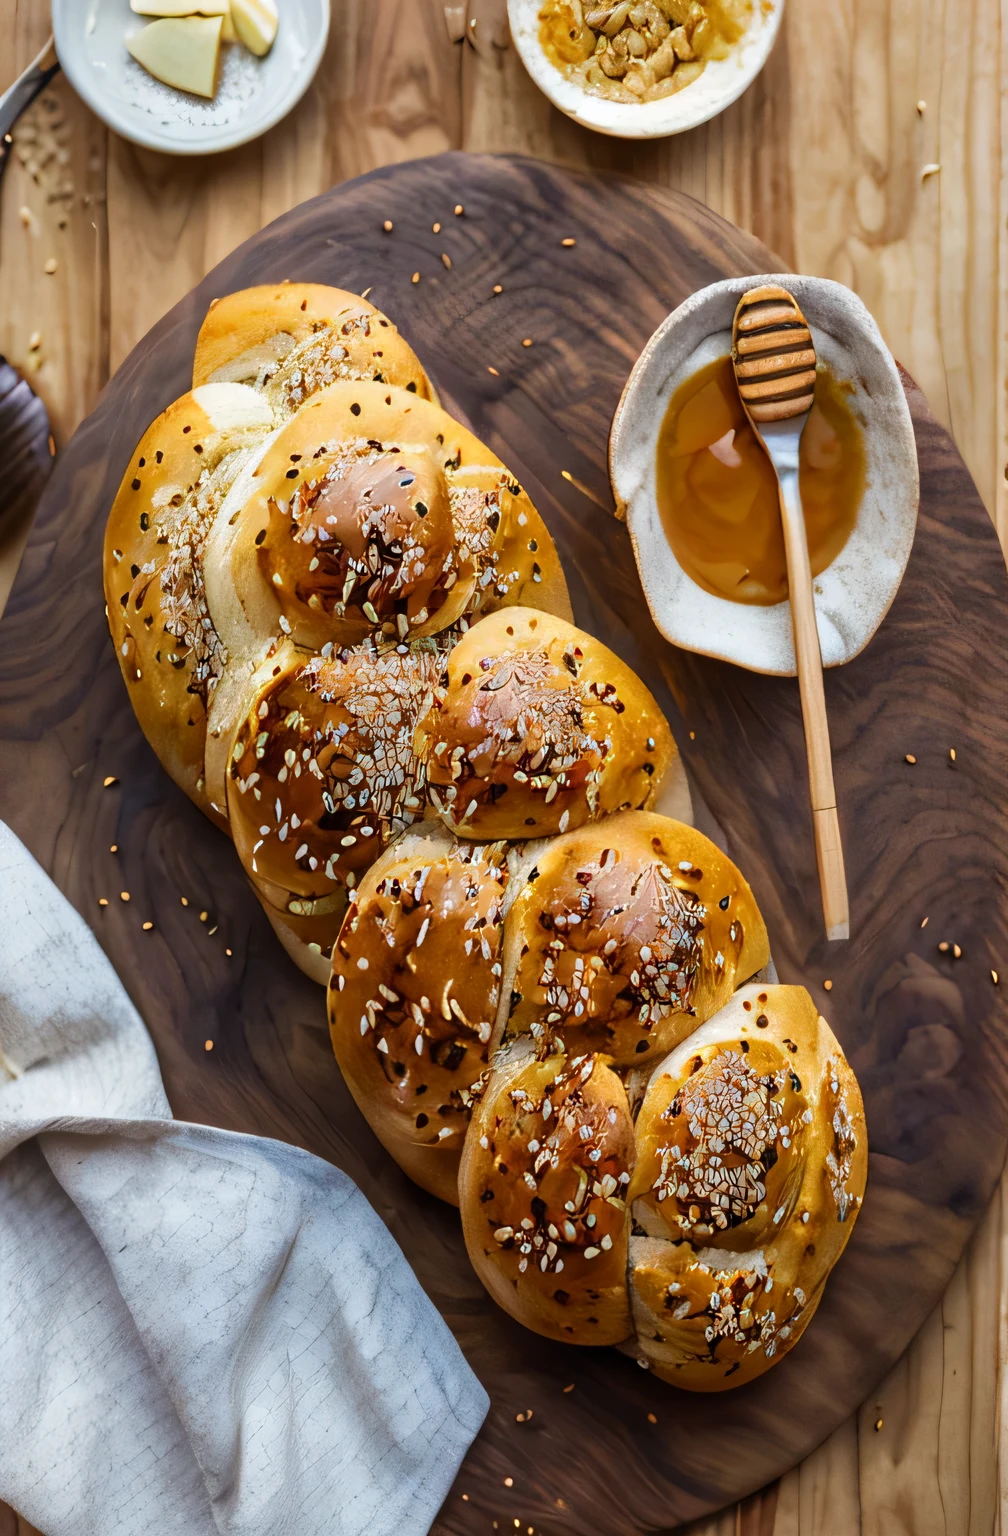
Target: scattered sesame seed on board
{"points": [[365, 293], [459, 210], [493, 371], [387, 226], [652, 1418], [930, 170], [446, 259], [124, 896], [498, 288], [113, 848], [415, 278], [952, 756], [994, 977], [211, 931], [909, 758], [51, 266], [943, 947], [509, 1482], [519, 1418], [109, 781], [228, 953], [956, 952], [436, 228], [568, 242], [147, 927], [184, 900], [526, 341], [692, 735], [827, 986], [203, 916], [925, 921], [878, 1425], [103, 902], [208, 1045], [921, 108], [570, 1388]]}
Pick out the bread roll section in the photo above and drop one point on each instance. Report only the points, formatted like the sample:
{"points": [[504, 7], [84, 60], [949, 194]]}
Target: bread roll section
{"points": [[538, 727], [628, 934]]}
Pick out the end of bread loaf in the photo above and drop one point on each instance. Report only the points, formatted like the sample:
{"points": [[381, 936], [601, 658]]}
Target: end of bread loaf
{"points": [[751, 1168], [293, 339]]}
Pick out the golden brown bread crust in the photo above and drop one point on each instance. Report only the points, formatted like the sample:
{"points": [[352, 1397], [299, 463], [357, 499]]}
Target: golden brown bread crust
{"points": [[414, 993], [371, 511], [626, 935], [293, 339], [537, 727], [322, 773], [155, 540], [545, 1168], [751, 1168]]}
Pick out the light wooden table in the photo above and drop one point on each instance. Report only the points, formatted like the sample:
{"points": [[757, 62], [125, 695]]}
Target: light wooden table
{"points": [[823, 160]]}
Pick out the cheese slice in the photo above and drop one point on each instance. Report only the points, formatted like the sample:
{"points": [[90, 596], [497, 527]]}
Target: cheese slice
{"points": [[228, 33], [180, 8], [255, 22], [180, 51]]}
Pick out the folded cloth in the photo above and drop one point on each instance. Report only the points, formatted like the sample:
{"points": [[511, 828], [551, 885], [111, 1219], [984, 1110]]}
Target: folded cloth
{"points": [[200, 1332]]}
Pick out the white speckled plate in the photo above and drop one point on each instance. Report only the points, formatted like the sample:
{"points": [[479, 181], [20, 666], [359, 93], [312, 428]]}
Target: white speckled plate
{"points": [[721, 83], [252, 94], [854, 593]]}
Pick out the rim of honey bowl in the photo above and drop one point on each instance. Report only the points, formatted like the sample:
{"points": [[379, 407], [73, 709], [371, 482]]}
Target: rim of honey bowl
{"points": [[722, 82], [855, 591]]}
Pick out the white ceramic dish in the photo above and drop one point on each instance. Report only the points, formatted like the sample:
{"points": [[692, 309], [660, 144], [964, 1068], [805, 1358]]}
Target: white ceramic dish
{"points": [[721, 83], [252, 94], [854, 593]]}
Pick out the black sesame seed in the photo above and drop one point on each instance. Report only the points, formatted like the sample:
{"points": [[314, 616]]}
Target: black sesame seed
{"points": [[136, 485], [724, 902], [762, 1021], [355, 409], [292, 474], [144, 521], [642, 1045], [411, 386], [260, 535], [421, 1121]]}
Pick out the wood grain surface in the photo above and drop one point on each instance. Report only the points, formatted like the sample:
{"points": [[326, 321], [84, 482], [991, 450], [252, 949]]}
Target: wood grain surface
{"points": [[822, 158], [927, 1034]]}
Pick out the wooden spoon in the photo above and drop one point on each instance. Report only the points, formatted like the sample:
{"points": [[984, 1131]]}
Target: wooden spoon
{"points": [[775, 362]]}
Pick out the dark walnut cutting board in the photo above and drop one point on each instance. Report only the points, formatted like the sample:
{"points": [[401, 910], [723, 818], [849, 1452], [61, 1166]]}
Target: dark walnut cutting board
{"points": [[926, 1033]]}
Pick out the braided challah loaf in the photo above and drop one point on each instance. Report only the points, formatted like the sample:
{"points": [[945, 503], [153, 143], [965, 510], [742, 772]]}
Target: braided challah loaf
{"points": [[346, 633]]}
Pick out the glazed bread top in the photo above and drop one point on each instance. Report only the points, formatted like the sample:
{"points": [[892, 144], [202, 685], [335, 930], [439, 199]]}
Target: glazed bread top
{"points": [[536, 727], [627, 934], [293, 339]]}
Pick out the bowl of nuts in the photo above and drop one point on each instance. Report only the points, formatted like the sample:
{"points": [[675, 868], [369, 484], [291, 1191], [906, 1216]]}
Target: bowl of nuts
{"points": [[643, 69]]}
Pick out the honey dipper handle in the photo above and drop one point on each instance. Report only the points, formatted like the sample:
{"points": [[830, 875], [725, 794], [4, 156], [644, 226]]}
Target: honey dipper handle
{"points": [[829, 849]]}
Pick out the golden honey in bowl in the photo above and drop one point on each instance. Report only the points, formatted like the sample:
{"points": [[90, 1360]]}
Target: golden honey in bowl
{"points": [[717, 491]]}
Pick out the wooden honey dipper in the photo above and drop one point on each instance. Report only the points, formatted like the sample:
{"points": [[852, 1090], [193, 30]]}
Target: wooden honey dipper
{"points": [[775, 370]]}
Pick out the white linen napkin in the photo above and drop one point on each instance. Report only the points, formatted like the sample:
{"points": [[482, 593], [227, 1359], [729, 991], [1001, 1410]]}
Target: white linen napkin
{"points": [[200, 1332]]}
